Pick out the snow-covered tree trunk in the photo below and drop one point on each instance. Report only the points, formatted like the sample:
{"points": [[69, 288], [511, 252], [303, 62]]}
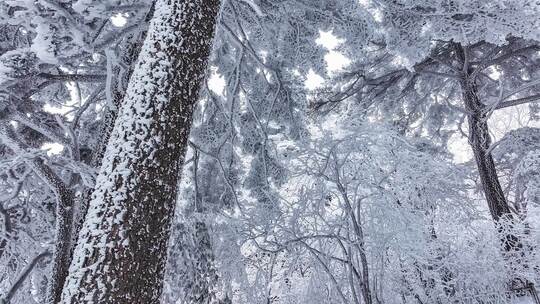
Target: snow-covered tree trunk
{"points": [[121, 249], [109, 117], [480, 142]]}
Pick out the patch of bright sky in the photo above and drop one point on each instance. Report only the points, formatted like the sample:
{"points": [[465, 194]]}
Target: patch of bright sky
{"points": [[313, 80], [53, 109], [328, 40], [216, 82], [119, 20], [68, 107], [52, 148], [494, 73], [459, 147], [335, 61], [500, 123]]}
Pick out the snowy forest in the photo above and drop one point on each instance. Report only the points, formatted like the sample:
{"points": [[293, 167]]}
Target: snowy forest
{"points": [[270, 151]]}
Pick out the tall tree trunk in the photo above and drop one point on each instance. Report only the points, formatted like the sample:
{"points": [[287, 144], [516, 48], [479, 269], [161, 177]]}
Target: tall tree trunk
{"points": [[480, 142], [121, 249], [121, 79], [82, 203]]}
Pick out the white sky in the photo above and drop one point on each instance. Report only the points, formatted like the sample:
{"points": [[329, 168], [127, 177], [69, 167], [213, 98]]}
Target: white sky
{"points": [[501, 122], [335, 60], [118, 20]]}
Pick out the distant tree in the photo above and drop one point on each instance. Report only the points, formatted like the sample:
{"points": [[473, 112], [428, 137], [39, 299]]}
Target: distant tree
{"points": [[439, 63]]}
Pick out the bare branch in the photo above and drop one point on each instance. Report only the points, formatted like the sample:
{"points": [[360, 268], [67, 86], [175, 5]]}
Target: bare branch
{"points": [[74, 77], [22, 277], [518, 101], [507, 56]]}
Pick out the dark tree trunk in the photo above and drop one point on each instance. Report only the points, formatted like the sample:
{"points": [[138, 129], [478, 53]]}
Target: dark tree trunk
{"points": [[78, 213], [122, 246], [83, 201], [64, 226], [480, 142]]}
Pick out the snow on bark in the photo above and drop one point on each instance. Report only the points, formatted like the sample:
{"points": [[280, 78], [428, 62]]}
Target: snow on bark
{"points": [[111, 112], [121, 249]]}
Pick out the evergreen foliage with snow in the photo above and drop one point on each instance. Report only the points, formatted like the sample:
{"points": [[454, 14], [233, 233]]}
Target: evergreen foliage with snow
{"points": [[314, 151]]}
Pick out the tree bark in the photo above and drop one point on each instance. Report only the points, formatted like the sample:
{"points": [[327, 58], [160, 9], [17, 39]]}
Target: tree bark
{"points": [[83, 201], [121, 250], [480, 142]]}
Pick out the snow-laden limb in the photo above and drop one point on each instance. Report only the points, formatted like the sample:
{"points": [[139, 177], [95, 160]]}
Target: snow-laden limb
{"points": [[414, 25], [121, 249]]}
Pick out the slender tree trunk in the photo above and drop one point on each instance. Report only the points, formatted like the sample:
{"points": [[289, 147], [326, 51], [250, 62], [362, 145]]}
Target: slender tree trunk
{"points": [[23, 276], [63, 243], [64, 208], [480, 142], [121, 250]]}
